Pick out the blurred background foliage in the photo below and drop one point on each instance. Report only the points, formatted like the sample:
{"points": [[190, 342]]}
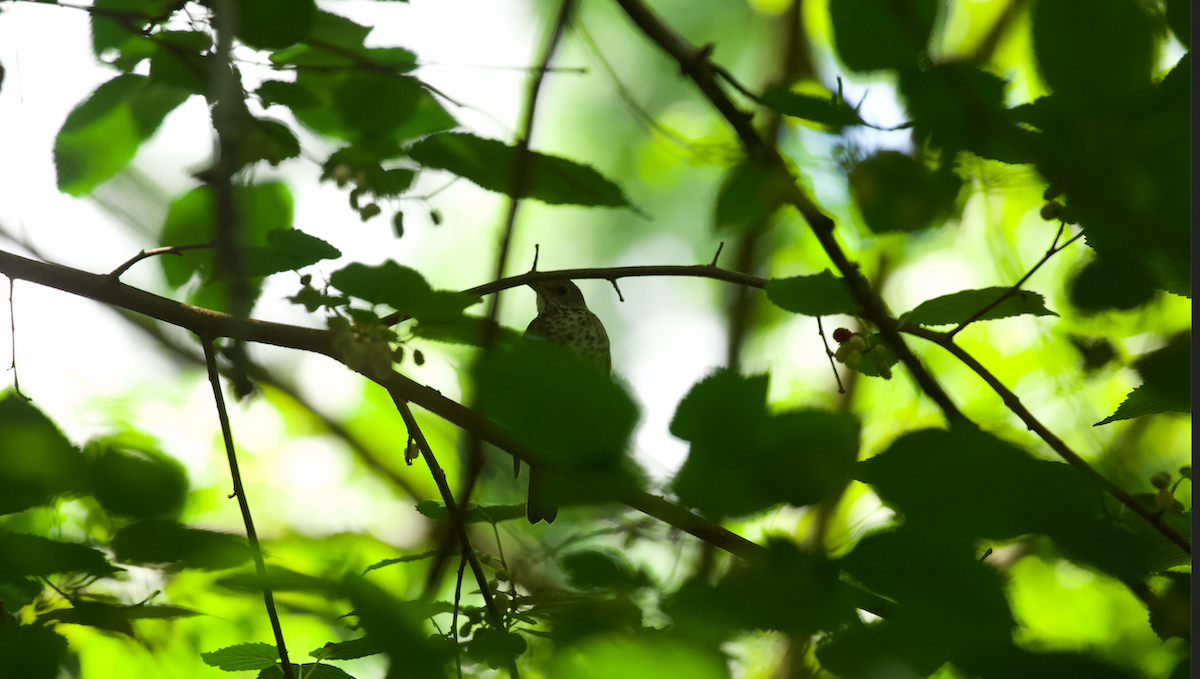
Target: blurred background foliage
{"points": [[951, 140]]}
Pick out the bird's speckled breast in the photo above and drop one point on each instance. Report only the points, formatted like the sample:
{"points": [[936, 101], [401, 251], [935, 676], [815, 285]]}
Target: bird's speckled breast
{"points": [[578, 329]]}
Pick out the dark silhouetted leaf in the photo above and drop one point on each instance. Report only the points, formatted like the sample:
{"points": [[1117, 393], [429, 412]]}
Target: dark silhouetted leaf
{"points": [[601, 569], [825, 110], [136, 480], [253, 656], [22, 554], [273, 24], [279, 579], [749, 196], [475, 513], [489, 163], [287, 250], [495, 647], [873, 35], [156, 542], [743, 459], [401, 288], [37, 463], [896, 193], [31, 651]]}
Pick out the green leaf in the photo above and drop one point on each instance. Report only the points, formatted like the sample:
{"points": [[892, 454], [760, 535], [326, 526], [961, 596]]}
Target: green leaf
{"points": [[957, 106], [402, 288], [31, 651], [376, 103], [102, 134], [824, 110], [965, 485], [133, 16], [896, 193], [571, 415], [274, 24], [787, 590], [873, 35], [136, 480], [398, 630], [156, 541], [489, 163], [495, 647], [474, 513], [22, 554], [601, 569], [112, 617], [37, 463], [348, 650], [411, 557], [267, 140], [749, 196], [743, 459], [278, 579], [1104, 283], [255, 656], [261, 209], [1099, 49], [287, 250], [821, 294], [308, 671], [1143, 401], [958, 307]]}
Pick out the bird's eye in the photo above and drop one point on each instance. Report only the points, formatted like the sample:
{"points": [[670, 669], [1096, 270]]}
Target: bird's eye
{"points": [[561, 290]]}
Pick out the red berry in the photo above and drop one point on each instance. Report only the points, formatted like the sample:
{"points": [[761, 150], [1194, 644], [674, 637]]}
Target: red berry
{"points": [[841, 335]]}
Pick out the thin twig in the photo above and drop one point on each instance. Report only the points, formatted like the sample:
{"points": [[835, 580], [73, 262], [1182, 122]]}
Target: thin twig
{"points": [[169, 250], [1064, 451], [1016, 287], [695, 64], [453, 509], [239, 491], [12, 330], [829, 354], [520, 180], [207, 322]]}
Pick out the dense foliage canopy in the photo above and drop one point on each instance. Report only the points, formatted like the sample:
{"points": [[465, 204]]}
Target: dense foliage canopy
{"points": [[943, 246]]}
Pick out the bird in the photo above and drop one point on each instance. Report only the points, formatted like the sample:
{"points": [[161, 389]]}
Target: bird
{"points": [[562, 318]]}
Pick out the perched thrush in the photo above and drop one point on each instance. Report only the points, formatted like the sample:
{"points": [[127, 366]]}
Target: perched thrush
{"points": [[563, 318]]}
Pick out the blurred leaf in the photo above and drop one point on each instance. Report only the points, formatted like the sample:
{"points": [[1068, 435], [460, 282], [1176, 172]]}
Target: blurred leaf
{"points": [[114, 21], [496, 648], [376, 103], [789, 590], [253, 656], [749, 195], [267, 140], [273, 24], [1171, 611], [1096, 352], [571, 415], [37, 463], [22, 554], [1145, 401], [112, 617], [156, 542], [401, 288], [969, 485], [877, 358], [32, 651], [574, 620], [743, 459], [136, 481], [474, 513], [1102, 284], [873, 35], [637, 657], [101, 135], [957, 106], [601, 569], [261, 209], [896, 193], [1179, 18], [307, 671], [825, 110], [489, 163], [957, 307], [821, 294], [279, 579], [412, 654], [409, 558], [1098, 49]]}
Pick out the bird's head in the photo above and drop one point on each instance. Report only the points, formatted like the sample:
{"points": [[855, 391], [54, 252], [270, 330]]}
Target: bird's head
{"points": [[557, 295]]}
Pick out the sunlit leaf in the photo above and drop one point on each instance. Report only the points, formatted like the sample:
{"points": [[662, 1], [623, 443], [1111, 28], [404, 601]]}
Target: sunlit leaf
{"points": [[251, 656]]}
